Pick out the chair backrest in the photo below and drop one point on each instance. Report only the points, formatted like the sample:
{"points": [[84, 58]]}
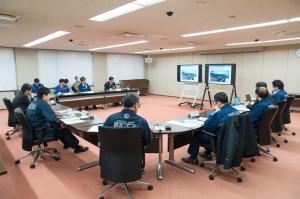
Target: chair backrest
{"points": [[11, 118], [120, 154], [265, 126], [277, 125], [286, 117], [27, 140], [16, 92]]}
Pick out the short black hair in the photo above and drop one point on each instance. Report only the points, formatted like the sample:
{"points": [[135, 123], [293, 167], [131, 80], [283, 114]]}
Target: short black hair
{"points": [[36, 80], [61, 80], [82, 79], [66, 81], [261, 84], [221, 97], [76, 77], [42, 91], [111, 78], [25, 87], [278, 83], [262, 92], [130, 99]]}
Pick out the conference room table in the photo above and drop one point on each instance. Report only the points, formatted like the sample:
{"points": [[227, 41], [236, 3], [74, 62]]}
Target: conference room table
{"points": [[91, 98]]}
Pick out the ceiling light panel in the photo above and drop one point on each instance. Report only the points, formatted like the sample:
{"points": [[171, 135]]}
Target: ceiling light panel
{"points": [[119, 45], [47, 38], [266, 41], [164, 50], [125, 9]]}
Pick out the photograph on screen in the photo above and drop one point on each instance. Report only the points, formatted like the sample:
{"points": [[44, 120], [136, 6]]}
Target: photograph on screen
{"points": [[189, 73], [220, 74]]}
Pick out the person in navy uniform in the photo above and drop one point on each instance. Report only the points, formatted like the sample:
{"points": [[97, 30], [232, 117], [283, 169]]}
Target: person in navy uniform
{"points": [[40, 114], [83, 86], [36, 85], [257, 111], [258, 85], [224, 111], [279, 94], [23, 98], [128, 117], [110, 85], [61, 88]]}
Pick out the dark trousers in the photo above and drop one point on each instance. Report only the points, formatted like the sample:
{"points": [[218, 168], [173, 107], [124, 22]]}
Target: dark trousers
{"points": [[199, 139], [64, 135]]}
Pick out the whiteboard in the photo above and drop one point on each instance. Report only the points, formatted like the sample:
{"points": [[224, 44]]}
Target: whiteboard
{"points": [[123, 66], [54, 65], [8, 80]]}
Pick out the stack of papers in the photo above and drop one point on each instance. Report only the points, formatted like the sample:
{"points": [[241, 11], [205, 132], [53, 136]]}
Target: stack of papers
{"points": [[72, 120], [193, 124], [158, 128], [203, 119], [241, 108], [93, 129]]}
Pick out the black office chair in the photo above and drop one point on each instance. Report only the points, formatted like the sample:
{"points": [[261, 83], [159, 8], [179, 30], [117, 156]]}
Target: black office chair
{"points": [[265, 137], [286, 116], [121, 157], [219, 143], [12, 122], [28, 140], [277, 126], [16, 92]]}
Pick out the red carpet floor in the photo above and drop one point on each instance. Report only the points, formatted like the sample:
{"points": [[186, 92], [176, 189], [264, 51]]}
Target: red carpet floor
{"points": [[263, 179]]}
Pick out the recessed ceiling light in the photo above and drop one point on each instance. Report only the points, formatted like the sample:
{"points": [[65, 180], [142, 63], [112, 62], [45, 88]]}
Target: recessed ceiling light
{"points": [[163, 50], [46, 38], [266, 41], [119, 45], [124, 9], [251, 26]]}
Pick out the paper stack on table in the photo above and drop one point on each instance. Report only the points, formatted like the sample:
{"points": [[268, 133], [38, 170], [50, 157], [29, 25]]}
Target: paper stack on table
{"points": [[194, 123], [94, 129], [72, 120], [241, 108]]}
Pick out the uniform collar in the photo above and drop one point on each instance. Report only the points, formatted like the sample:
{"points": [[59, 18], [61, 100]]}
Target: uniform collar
{"points": [[225, 105], [127, 110]]}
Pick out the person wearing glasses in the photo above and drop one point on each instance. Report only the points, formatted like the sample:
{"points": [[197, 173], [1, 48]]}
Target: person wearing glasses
{"points": [[128, 117]]}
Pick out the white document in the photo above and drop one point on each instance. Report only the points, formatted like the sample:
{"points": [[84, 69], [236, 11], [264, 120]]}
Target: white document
{"points": [[241, 108], [94, 129], [203, 119], [72, 120], [159, 128], [193, 124]]}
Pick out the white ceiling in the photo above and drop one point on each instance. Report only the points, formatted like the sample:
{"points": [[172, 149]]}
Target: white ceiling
{"points": [[42, 17]]}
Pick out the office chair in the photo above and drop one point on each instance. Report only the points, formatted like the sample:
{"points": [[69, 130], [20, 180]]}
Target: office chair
{"points": [[238, 147], [265, 137], [277, 126], [12, 122], [28, 140], [286, 116], [16, 92], [121, 157]]}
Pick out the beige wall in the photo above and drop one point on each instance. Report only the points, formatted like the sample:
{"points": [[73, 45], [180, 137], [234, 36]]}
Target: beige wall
{"points": [[273, 63], [27, 70]]}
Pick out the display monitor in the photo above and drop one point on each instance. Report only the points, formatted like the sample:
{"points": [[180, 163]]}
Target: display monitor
{"points": [[189, 73], [220, 74]]}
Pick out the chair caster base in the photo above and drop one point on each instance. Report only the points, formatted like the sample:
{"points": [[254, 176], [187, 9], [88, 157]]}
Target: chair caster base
{"points": [[252, 159], [239, 179], [32, 166], [8, 138], [104, 182], [211, 177], [278, 145], [150, 187], [17, 162], [243, 168], [286, 141], [275, 159]]}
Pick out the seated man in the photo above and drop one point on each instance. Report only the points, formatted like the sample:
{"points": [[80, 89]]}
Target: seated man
{"points": [[36, 85], [23, 98], [224, 111], [40, 114], [257, 85], [61, 88], [258, 109], [128, 117], [76, 84], [110, 85], [279, 94], [83, 86]]}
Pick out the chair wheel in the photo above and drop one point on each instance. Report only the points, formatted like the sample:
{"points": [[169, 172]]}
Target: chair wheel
{"points": [[211, 177], [293, 133], [252, 159], [279, 134], [104, 182], [6, 134], [243, 168], [201, 164], [32, 166], [55, 151], [275, 159], [239, 179], [150, 187], [45, 144], [101, 198], [286, 141], [56, 158], [17, 162], [8, 138], [179, 104], [278, 145], [268, 150]]}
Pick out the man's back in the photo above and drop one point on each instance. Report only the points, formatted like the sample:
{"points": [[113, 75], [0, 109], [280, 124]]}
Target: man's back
{"points": [[128, 118], [21, 101], [279, 95]]}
